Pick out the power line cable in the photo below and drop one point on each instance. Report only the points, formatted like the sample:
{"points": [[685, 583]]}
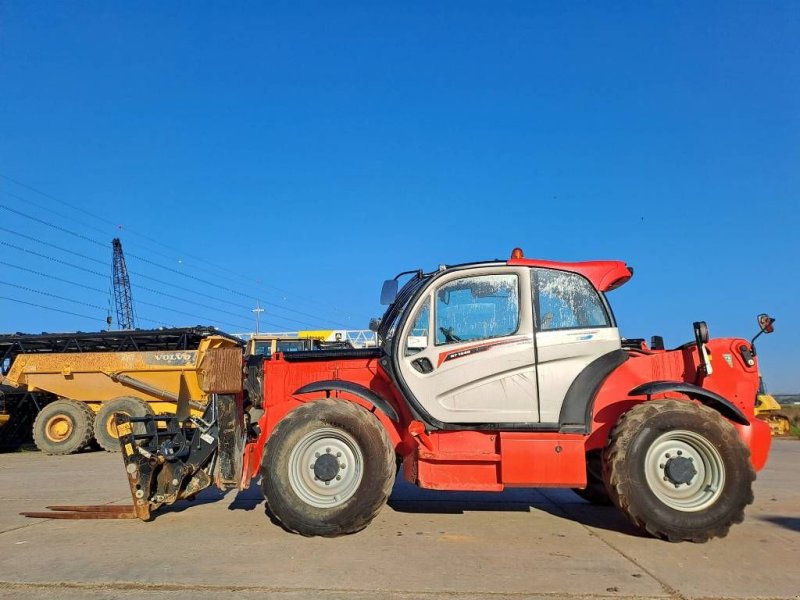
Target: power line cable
{"points": [[149, 289], [56, 296], [156, 280], [202, 260], [41, 274], [106, 293], [42, 242], [56, 260], [59, 310], [43, 222], [54, 213]]}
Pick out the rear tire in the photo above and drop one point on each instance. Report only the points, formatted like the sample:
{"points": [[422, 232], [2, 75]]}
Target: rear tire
{"points": [[63, 427], [678, 470], [105, 429], [328, 468]]}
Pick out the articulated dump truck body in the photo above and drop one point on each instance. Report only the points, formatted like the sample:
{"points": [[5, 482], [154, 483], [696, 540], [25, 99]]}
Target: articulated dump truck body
{"points": [[92, 379]]}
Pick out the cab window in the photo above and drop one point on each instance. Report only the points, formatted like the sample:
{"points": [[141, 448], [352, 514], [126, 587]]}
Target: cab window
{"points": [[292, 345], [567, 301], [264, 348], [477, 308], [417, 339]]}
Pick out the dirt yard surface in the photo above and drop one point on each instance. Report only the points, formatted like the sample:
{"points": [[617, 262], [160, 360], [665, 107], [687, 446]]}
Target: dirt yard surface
{"points": [[457, 546]]}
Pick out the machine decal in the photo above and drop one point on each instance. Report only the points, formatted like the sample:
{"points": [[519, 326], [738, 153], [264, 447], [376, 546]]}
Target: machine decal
{"points": [[469, 350], [170, 358]]}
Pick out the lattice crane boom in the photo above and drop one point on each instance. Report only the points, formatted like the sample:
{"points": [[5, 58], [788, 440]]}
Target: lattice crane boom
{"points": [[123, 301]]}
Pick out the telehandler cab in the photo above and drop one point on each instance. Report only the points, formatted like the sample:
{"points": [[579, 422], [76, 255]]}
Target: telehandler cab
{"points": [[489, 375]]}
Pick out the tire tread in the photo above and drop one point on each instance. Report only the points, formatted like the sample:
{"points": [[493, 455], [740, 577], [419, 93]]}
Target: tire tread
{"points": [[621, 490], [85, 421]]}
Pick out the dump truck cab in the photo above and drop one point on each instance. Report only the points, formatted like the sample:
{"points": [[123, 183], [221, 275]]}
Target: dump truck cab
{"points": [[267, 344]]}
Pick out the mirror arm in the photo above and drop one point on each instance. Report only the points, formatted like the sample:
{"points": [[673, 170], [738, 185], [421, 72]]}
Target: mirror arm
{"points": [[752, 342]]}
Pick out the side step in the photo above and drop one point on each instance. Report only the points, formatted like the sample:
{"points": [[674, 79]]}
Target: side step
{"points": [[101, 511]]}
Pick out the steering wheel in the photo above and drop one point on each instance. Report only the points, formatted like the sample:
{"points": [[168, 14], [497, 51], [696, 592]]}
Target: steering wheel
{"points": [[449, 336], [547, 320]]}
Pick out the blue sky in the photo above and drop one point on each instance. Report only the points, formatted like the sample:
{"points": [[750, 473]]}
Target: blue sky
{"points": [[298, 154]]}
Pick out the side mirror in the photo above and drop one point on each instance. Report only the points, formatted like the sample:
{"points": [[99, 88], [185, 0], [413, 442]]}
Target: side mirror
{"points": [[765, 326], [765, 323], [389, 292], [701, 337], [701, 332], [375, 324]]}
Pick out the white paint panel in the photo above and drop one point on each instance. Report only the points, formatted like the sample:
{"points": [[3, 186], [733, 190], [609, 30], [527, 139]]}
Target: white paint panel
{"points": [[562, 357], [496, 384]]}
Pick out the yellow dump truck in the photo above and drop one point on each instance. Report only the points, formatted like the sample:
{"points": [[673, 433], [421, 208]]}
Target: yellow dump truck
{"points": [[767, 409], [91, 376]]}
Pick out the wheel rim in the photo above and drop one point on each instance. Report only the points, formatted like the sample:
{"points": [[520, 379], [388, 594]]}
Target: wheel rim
{"points": [[111, 425], [684, 471], [325, 467], [58, 428]]}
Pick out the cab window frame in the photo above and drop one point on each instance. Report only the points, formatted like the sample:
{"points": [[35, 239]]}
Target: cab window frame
{"points": [[537, 316]]}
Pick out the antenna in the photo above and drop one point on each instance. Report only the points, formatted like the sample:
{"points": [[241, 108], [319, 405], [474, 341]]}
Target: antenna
{"points": [[257, 310], [123, 301]]}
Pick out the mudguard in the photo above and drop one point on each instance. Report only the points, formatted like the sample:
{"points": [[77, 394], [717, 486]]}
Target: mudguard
{"points": [[713, 400], [365, 393]]}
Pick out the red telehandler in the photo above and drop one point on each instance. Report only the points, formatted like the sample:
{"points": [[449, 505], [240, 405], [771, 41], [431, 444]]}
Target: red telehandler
{"points": [[489, 375]]}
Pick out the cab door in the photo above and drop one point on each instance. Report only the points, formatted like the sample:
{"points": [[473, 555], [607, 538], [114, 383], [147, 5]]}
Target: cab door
{"points": [[573, 328], [467, 353]]}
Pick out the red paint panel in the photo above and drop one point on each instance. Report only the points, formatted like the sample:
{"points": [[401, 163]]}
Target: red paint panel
{"points": [[459, 476], [759, 438], [543, 459], [459, 460]]}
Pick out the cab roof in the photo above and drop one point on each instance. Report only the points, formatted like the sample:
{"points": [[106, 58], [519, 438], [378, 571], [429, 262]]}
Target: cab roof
{"points": [[605, 275]]}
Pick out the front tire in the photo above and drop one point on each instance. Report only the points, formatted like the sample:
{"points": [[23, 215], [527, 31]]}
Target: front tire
{"points": [[328, 468], [678, 470]]}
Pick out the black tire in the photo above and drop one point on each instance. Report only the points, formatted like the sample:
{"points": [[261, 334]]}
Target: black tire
{"points": [[595, 490], [104, 428], [63, 427], [345, 432], [643, 442]]}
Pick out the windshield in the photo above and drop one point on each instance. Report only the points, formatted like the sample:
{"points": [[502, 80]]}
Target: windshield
{"points": [[292, 345]]}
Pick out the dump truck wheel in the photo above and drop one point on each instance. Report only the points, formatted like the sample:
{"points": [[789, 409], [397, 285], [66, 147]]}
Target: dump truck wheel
{"points": [[679, 471], [63, 427], [105, 429], [328, 468], [595, 490]]}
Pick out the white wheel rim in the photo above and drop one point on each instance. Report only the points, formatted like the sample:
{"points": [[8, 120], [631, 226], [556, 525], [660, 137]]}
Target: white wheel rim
{"points": [[326, 467], [684, 471]]}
